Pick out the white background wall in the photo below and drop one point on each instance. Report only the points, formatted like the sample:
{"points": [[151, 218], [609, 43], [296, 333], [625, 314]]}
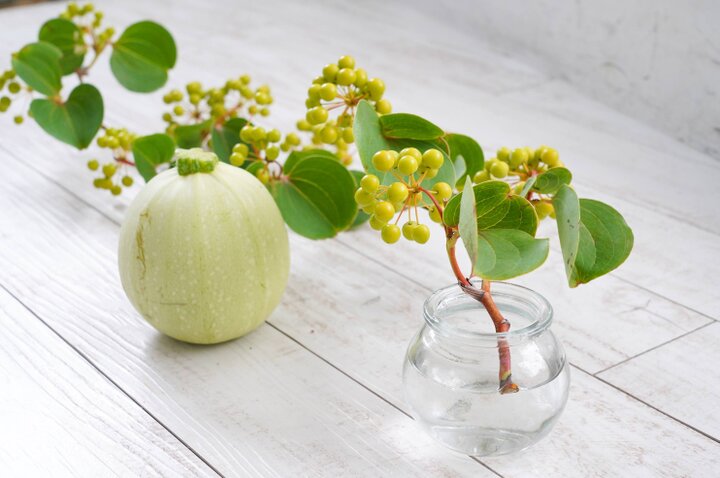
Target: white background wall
{"points": [[657, 60]]}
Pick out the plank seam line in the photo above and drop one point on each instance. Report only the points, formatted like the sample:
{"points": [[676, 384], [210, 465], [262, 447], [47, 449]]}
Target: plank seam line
{"points": [[653, 348], [113, 221], [625, 392], [323, 359], [110, 380]]}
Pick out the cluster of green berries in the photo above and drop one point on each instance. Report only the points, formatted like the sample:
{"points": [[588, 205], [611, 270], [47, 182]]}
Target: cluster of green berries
{"points": [[226, 102], [409, 161], [523, 163], [106, 180], [116, 138], [7, 79], [383, 202], [77, 12], [258, 144], [340, 87]]}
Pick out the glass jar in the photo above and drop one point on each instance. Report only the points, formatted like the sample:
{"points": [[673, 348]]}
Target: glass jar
{"points": [[451, 372]]}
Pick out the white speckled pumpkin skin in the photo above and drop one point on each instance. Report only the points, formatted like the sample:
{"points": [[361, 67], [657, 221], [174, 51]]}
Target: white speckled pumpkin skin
{"points": [[204, 257]]}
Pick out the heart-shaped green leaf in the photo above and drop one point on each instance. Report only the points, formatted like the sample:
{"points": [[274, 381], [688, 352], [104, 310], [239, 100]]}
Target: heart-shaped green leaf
{"points": [[151, 151], [369, 140], [496, 208], [467, 152], [65, 35], [38, 65], [550, 181], [316, 198], [192, 135], [76, 121], [408, 126], [468, 225], [142, 57], [594, 237], [507, 253], [226, 136]]}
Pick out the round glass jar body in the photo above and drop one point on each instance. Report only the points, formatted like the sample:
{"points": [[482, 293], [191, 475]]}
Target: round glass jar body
{"points": [[451, 371]]}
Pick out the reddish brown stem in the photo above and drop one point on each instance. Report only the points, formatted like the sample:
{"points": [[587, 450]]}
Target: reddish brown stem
{"points": [[502, 325]]}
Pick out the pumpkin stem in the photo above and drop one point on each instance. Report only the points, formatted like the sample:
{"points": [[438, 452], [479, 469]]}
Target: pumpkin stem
{"points": [[195, 160]]}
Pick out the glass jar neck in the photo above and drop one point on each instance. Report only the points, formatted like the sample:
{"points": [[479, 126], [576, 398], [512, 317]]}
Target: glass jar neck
{"points": [[456, 316]]}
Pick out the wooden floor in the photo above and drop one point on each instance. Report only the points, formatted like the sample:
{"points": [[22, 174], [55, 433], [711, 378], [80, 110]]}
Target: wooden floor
{"points": [[88, 388]]}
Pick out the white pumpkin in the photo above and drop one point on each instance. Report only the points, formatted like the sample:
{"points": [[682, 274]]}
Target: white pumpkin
{"points": [[204, 253]]}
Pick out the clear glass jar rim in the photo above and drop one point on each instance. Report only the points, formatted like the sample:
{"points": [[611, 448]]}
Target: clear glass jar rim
{"points": [[541, 322]]}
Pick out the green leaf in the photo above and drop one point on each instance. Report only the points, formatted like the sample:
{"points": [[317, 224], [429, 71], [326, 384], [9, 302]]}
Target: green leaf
{"points": [[362, 217], [594, 237], [151, 151], [468, 225], [507, 253], [316, 200], [142, 57], [468, 150], [528, 185], [551, 180], [192, 135], [496, 208], [226, 136], [76, 121], [408, 126], [369, 140], [38, 65], [66, 36]]}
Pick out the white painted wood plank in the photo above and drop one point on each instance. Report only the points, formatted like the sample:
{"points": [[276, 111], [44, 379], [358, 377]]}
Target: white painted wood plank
{"points": [[258, 406], [605, 433], [60, 417], [681, 378]]}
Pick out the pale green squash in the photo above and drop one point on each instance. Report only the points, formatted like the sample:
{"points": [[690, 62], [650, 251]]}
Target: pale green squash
{"points": [[204, 253]]}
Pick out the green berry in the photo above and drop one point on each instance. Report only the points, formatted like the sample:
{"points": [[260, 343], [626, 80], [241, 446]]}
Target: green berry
{"points": [[348, 136], [237, 159], [376, 223], [167, 117], [346, 62], [246, 133], [375, 88], [317, 115], [5, 103], [408, 229], [327, 91], [383, 107], [384, 210], [421, 234], [329, 134], [407, 165], [263, 176], [258, 134], [550, 157], [414, 152], [115, 190], [481, 177], [434, 214], [383, 161], [241, 149], [499, 169], [390, 233], [489, 163], [364, 198], [109, 170], [519, 156], [14, 87], [18, 119], [360, 78], [93, 165], [543, 209], [274, 135], [330, 72], [503, 154], [272, 152], [432, 158], [314, 92], [303, 125], [430, 173], [397, 192], [442, 190], [127, 181], [178, 110], [370, 183], [346, 77]]}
